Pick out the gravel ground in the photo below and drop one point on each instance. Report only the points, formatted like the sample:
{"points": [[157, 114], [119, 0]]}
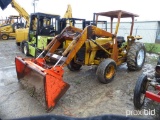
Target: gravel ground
{"points": [[85, 97]]}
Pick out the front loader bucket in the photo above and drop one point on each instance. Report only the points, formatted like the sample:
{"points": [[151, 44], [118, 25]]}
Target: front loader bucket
{"points": [[46, 85], [4, 3]]}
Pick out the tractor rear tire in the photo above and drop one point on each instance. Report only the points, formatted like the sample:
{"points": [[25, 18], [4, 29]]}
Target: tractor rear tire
{"points": [[136, 56], [72, 66], [4, 37], [26, 49], [106, 70], [139, 91]]}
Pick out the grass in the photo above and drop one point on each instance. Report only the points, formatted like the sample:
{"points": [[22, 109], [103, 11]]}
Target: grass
{"points": [[152, 47]]}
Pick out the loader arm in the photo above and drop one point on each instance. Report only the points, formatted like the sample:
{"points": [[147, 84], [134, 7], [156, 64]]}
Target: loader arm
{"points": [[62, 35], [21, 11], [77, 41], [87, 33]]}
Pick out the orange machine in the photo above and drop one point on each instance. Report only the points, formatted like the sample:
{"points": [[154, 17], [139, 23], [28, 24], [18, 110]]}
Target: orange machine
{"points": [[73, 47]]}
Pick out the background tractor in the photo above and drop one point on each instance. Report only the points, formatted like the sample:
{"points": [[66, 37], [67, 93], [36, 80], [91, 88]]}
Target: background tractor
{"points": [[21, 33], [43, 27], [8, 29]]}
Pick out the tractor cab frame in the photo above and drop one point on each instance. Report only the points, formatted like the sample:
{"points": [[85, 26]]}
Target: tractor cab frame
{"points": [[41, 31]]}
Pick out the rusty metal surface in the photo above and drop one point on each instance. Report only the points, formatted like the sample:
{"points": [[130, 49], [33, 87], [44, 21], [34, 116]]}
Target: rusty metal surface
{"points": [[115, 13], [33, 83], [45, 85]]}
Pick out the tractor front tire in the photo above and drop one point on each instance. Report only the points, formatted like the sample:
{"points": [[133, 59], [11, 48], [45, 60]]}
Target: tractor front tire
{"points": [[18, 43], [21, 46], [26, 49], [136, 56], [4, 37], [106, 70], [139, 91], [72, 66]]}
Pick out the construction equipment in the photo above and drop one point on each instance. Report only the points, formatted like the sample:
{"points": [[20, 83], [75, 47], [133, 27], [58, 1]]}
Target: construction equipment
{"points": [[32, 48], [21, 34], [8, 29], [142, 91], [43, 27], [39, 42], [45, 82], [41, 31], [22, 12], [68, 13]]}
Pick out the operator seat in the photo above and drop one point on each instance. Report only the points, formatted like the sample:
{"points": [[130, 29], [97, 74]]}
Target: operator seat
{"points": [[120, 41], [45, 31]]}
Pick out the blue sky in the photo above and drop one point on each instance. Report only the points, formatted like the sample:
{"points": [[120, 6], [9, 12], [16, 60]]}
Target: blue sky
{"points": [[147, 10]]}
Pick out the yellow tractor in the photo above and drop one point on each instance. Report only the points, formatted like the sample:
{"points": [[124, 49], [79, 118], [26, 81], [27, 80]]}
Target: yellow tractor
{"points": [[12, 23], [91, 46], [21, 33]]}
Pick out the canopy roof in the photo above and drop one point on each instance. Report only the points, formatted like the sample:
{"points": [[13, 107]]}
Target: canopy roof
{"points": [[115, 13]]}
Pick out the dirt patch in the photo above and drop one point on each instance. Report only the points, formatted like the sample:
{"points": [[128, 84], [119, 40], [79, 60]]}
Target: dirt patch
{"points": [[85, 97]]}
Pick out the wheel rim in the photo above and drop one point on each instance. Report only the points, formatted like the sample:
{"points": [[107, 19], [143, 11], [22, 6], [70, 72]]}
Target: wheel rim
{"points": [[142, 95], [25, 50], [4, 37], [140, 57], [143, 91], [110, 71]]}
